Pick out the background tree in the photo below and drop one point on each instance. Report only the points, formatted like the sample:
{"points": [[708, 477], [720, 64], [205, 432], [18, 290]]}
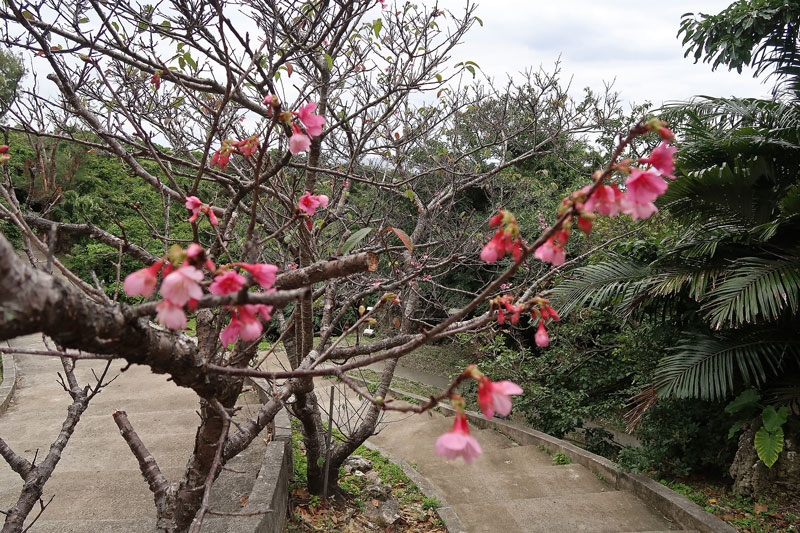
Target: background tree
{"points": [[215, 110]]}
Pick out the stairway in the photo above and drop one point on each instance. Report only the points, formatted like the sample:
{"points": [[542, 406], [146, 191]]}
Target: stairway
{"points": [[515, 489]]}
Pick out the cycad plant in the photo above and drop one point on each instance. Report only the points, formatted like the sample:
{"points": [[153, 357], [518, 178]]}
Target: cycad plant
{"points": [[729, 272]]}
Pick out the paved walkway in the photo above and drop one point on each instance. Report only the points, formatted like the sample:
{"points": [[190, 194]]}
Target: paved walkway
{"points": [[97, 484], [98, 488]]}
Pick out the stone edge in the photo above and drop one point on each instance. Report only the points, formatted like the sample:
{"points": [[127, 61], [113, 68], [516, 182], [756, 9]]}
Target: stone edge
{"points": [[447, 514], [9, 385], [669, 503], [270, 491]]}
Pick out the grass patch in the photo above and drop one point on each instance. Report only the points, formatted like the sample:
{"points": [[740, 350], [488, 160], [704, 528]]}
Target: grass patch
{"points": [[763, 515], [310, 513]]}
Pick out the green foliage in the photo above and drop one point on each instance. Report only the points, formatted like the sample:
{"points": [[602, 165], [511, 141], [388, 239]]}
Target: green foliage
{"points": [[591, 368], [769, 438], [560, 459], [11, 72], [681, 437], [758, 33]]}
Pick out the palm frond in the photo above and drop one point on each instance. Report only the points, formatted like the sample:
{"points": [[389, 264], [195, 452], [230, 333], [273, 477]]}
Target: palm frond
{"points": [[755, 289], [708, 367], [615, 282], [697, 280]]}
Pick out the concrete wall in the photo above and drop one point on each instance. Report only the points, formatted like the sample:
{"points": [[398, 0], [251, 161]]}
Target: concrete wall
{"points": [[271, 488], [9, 384]]}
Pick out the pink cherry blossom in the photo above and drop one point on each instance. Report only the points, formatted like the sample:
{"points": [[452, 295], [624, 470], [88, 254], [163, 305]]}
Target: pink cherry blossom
{"points": [[458, 443], [247, 146], [309, 203], [490, 253], [313, 123], [666, 133], [542, 338], [551, 252], [662, 159], [640, 210], [227, 283], [171, 315], [193, 204], [264, 273], [494, 396], [251, 328], [643, 187], [299, 141], [264, 310], [606, 200], [194, 250], [181, 285], [231, 332], [142, 282], [212, 217]]}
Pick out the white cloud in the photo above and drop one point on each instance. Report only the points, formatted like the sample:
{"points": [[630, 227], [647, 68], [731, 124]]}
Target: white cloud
{"points": [[632, 42]]}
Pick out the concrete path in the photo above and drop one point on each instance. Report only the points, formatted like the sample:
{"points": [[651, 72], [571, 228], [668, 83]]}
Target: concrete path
{"points": [[516, 489], [96, 486]]}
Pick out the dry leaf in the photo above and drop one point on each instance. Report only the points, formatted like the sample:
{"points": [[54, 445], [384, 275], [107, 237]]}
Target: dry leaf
{"points": [[243, 500], [712, 500], [761, 508], [376, 503], [301, 492]]}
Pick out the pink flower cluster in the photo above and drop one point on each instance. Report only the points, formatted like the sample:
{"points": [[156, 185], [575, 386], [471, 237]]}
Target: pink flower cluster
{"points": [[544, 313], [309, 203], [458, 442], [299, 141], [181, 287], [493, 397], [506, 239], [245, 324], [642, 187], [222, 156], [504, 304], [4, 157], [194, 205], [247, 146]]}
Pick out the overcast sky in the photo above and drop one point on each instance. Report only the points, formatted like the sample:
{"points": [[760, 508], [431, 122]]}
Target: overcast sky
{"points": [[632, 42]]}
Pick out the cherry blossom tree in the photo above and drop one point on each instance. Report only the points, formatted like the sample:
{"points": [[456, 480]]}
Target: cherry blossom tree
{"points": [[317, 153]]}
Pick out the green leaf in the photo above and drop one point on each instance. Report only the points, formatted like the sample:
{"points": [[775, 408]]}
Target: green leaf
{"points": [[354, 239], [471, 69], [409, 194], [479, 20], [329, 59], [439, 78], [376, 27], [189, 60], [736, 428], [773, 420], [769, 445], [403, 237], [745, 400]]}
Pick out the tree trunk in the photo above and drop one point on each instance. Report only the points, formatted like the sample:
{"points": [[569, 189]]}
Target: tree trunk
{"points": [[752, 477]]}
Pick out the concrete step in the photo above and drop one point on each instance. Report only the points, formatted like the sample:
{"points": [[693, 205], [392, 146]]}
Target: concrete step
{"points": [[484, 485], [414, 442], [502, 460], [602, 512]]}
